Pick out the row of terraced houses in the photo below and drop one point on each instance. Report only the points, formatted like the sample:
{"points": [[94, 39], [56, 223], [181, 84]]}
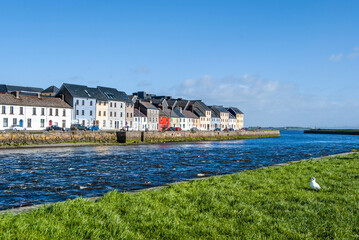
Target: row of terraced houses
{"points": [[109, 109]]}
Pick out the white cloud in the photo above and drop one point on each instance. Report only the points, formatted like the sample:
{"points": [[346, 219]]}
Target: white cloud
{"points": [[354, 54], [336, 58], [269, 103]]}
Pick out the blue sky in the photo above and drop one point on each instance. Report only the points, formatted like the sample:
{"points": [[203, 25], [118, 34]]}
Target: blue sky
{"points": [[283, 63]]}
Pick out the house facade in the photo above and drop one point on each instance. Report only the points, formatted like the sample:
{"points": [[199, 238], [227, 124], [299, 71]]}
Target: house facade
{"points": [[33, 112], [215, 121], [83, 101], [223, 114], [139, 121], [151, 112], [239, 116]]}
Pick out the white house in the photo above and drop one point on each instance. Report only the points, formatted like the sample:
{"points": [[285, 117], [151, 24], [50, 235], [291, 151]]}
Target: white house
{"points": [[215, 121], [190, 118], [83, 101], [33, 112], [232, 122], [116, 107], [139, 121]]}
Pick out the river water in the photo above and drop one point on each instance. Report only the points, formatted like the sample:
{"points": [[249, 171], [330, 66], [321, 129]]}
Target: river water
{"points": [[34, 176]]}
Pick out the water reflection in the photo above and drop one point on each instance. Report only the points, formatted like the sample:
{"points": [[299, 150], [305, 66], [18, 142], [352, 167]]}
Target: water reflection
{"points": [[33, 176]]}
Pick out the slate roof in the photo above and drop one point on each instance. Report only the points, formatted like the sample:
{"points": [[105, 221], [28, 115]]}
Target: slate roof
{"points": [[202, 105], [178, 113], [189, 114], [51, 89], [12, 88], [171, 103], [137, 113], [198, 112], [220, 109], [163, 113], [214, 114], [183, 104], [112, 94], [231, 116], [26, 100], [79, 91], [234, 110], [148, 105]]}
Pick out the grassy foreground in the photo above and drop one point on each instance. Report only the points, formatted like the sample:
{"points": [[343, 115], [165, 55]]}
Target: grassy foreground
{"points": [[273, 203]]}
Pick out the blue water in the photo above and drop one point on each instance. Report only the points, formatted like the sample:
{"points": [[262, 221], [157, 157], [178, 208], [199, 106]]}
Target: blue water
{"points": [[34, 176]]}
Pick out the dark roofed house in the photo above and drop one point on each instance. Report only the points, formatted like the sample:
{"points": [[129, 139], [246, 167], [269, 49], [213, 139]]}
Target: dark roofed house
{"points": [[239, 117], [223, 114], [151, 112], [21, 89], [50, 91]]}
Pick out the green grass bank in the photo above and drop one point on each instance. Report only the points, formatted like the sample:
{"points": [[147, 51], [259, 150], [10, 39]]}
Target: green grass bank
{"points": [[268, 203]]}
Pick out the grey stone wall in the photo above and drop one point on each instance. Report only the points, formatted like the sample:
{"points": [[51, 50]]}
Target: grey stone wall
{"points": [[28, 138]]}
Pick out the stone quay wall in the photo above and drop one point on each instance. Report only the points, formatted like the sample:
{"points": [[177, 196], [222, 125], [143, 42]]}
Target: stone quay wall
{"points": [[29, 138], [174, 136]]}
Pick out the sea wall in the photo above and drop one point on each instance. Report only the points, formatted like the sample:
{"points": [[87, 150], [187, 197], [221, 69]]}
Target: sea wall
{"points": [[29, 138], [176, 136]]}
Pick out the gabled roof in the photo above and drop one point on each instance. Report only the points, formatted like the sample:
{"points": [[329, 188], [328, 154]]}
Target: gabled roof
{"points": [[178, 113], [96, 93], [26, 100], [202, 105], [189, 114], [164, 113], [231, 116], [214, 115], [148, 105], [137, 113], [182, 103], [51, 89], [220, 109], [172, 103], [198, 112], [234, 110], [112, 94], [12, 88], [80, 91]]}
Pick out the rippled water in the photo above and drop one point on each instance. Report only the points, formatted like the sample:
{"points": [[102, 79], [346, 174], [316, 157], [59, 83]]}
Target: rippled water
{"points": [[34, 176]]}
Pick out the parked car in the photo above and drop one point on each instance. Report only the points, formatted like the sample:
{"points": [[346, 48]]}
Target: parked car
{"points": [[194, 129], [217, 129], [171, 129], [226, 129], [231, 129], [78, 127], [17, 128], [93, 128], [54, 128], [178, 129]]}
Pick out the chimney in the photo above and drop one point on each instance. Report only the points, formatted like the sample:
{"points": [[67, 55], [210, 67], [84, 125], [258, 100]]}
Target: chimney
{"points": [[39, 95], [62, 97], [17, 94]]}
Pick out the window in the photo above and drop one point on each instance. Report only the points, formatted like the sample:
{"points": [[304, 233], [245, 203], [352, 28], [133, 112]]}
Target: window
{"points": [[111, 104], [14, 121], [63, 123], [64, 112], [50, 112], [83, 102], [3, 109], [56, 112], [121, 114], [104, 113], [115, 105], [11, 110], [5, 122], [110, 123], [131, 114], [21, 111], [33, 111], [83, 112], [127, 114], [99, 113], [90, 103], [104, 103], [114, 114], [77, 102], [77, 112], [90, 112], [42, 111], [104, 123], [29, 122], [135, 119], [121, 105], [110, 114], [99, 103], [42, 122]]}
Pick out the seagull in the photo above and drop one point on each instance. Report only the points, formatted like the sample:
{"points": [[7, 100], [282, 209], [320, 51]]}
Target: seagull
{"points": [[314, 184]]}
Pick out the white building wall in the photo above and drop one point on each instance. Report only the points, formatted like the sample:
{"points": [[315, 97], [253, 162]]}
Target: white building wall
{"points": [[116, 114], [84, 111], [34, 118], [140, 123]]}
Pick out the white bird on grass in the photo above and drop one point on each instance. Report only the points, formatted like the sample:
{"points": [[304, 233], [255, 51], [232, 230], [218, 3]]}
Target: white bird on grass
{"points": [[314, 184]]}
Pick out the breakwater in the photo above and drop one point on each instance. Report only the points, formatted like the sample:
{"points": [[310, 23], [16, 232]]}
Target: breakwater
{"points": [[333, 131], [181, 136]]}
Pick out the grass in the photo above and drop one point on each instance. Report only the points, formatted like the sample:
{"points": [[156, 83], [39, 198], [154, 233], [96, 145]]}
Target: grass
{"points": [[267, 203]]}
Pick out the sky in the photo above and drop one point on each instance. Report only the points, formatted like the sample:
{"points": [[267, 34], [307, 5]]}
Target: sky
{"points": [[283, 63]]}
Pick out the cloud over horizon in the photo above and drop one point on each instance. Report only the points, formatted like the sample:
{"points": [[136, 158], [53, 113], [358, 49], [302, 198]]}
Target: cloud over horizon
{"points": [[270, 103]]}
